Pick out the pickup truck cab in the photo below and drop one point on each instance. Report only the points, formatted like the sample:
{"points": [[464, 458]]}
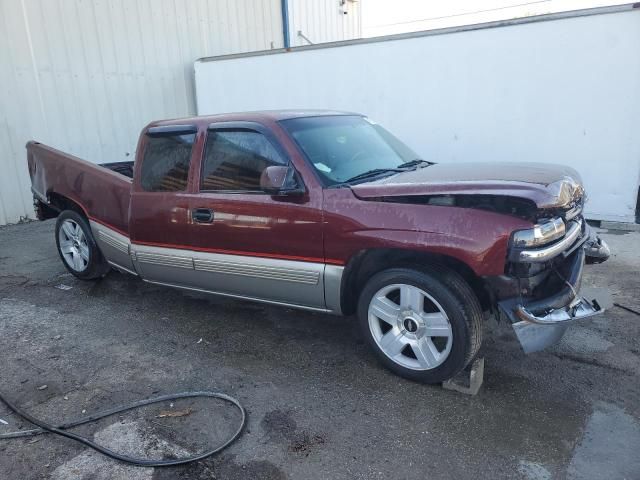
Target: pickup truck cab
{"points": [[327, 211]]}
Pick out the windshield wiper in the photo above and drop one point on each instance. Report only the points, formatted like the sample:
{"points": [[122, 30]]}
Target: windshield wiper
{"points": [[368, 174], [414, 163], [403, 167]]}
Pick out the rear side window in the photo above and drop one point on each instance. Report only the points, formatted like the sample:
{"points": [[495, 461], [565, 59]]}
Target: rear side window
{"points": [[165, 165], [234, 159]]}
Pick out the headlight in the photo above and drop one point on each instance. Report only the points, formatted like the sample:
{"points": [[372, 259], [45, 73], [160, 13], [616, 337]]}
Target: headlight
{"points": [[540, 234]]}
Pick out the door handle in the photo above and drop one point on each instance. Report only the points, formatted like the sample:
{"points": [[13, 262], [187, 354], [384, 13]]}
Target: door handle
{"points": [[202, 215]]}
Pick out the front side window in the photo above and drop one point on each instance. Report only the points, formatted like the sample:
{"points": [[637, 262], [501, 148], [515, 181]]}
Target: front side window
{"points": [[341, 147], [234, 159], [165, 165]]}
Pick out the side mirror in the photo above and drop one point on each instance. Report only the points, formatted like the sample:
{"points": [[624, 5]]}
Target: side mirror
{"points": [[280, 180]]}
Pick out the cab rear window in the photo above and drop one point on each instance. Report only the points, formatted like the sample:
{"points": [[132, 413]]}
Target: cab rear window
{"points": [[166, 160]]}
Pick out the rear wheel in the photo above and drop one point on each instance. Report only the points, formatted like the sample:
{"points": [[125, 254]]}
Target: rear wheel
{"points": [[423, 325], [77, 247]]}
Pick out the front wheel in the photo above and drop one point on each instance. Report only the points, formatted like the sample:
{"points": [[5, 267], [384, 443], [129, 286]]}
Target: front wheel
{"points": [[423, 325], [77, 247]]}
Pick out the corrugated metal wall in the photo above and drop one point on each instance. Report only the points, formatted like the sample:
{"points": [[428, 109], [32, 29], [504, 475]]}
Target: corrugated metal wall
{"points": [[86, 75], [323, 21]]}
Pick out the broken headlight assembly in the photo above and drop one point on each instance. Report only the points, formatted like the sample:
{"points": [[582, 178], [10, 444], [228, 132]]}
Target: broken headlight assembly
{"points": [[541, 234]]}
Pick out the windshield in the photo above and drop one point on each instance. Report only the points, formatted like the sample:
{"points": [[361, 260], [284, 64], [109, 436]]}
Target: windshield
{"points": [[342, 147]]}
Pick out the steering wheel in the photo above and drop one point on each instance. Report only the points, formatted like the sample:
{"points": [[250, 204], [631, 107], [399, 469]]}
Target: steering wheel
{"points": [[357, 158]]}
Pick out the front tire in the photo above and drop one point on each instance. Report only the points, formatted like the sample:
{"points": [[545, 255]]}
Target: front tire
{"points": [[424, 325], [77, 247]]}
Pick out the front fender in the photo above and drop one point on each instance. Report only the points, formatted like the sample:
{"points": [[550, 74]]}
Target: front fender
{"points": [[478, 238]]}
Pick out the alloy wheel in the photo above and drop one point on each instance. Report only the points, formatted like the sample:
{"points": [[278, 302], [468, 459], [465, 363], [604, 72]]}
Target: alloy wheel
{"points": [[410, 326], [73, 245]]}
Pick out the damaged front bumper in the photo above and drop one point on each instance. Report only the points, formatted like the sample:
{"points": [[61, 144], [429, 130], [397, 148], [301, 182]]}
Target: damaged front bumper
{"points": [[541, 322]]}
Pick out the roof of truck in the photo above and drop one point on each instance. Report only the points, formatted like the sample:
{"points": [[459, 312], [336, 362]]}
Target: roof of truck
{"points": [[272, 115]]}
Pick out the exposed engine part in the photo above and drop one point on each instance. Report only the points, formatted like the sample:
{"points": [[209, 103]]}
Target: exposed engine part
{"points": [[518, 207], [596, 250], [507, 205]]}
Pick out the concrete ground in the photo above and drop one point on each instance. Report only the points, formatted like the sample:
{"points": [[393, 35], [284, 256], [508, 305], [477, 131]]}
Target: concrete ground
{"points": [[319, 406]]}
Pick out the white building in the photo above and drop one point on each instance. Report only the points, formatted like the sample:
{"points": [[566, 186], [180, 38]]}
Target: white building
{"points": [[86, 76], [557, 88]]}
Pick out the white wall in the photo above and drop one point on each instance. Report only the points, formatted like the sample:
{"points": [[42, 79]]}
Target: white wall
{"points": [[382, 17], [86, 75], [564, 91], [323, 21]]}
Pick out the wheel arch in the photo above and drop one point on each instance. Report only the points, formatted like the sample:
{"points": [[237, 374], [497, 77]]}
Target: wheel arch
{"points": [[60, 203], [366, 263]]}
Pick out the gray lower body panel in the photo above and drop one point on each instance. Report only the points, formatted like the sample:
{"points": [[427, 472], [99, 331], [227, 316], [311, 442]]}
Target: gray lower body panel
{"points": [[285, 282], [114, 246]]}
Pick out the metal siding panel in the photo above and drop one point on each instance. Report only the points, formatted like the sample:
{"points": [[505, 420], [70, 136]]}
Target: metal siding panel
{"points": [[275, 14], [7, 159], [17, 110], [322, 21], [76, 79], [243, 34], [253, 19], [86, 76]]}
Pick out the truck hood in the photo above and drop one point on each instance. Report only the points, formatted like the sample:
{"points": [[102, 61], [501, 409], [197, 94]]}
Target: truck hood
{"points": [[547, 185]]}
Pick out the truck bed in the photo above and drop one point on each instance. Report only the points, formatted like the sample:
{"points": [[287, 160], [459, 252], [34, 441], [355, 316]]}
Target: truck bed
{"points": [[102, 191], [123, 168]]}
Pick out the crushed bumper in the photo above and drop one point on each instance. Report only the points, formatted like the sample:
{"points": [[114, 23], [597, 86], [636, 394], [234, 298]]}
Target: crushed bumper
{"points": [[540, 323]]}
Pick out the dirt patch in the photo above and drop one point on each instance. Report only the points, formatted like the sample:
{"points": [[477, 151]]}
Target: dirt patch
{"points": [[278, 424], [305, 443]]}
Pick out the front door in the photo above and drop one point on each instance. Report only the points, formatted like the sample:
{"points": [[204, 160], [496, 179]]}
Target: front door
{"points": [[247, 243]]}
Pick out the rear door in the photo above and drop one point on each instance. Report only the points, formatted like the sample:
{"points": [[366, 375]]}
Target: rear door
{"points": [[247, 243], [160, 215]]}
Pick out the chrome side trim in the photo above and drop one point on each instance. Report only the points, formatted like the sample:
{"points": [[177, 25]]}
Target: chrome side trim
{"points": [[242, 297], [165, 260], [250, 270], [120, 267], [286, 281], [333, 287], [114, 246], [544, 254], [297, 284], [114, 242]]}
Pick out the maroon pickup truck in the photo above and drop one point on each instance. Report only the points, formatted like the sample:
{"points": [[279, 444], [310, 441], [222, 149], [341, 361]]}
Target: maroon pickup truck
{"points": [[327, 211]]}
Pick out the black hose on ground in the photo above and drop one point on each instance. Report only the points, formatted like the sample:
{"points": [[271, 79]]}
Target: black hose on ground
{"points": [[628, 309], [44, 427]]}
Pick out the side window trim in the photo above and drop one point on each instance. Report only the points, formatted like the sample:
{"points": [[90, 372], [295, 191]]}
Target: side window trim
{"points": [[168, 131], [171, 130], [258, 127], [240, 125]]}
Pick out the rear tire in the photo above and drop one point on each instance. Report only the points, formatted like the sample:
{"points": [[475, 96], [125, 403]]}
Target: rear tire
{"points": [[77, 247], [424, 325]]}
